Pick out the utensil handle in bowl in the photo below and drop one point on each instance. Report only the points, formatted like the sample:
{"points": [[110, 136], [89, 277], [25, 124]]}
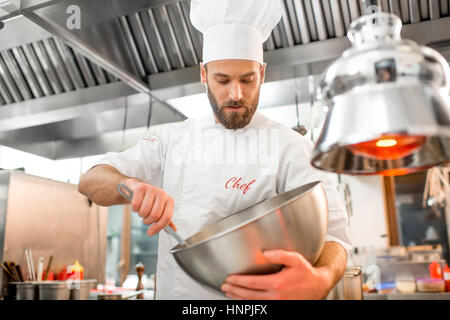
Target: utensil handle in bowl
{"points": [[121, 187], [129, 196]]}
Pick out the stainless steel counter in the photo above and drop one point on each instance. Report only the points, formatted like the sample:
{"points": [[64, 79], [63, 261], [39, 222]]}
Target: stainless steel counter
{"points": [[408, 296]]}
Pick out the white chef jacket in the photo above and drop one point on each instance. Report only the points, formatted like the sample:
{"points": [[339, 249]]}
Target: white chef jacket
{"points": [[212, 172]]}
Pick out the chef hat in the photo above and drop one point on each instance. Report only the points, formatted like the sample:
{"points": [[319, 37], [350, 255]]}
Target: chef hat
{"points": [[234, 29]]}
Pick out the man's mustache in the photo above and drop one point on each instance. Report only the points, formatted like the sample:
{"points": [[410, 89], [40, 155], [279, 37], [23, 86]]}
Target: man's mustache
{"points": [[234, 104]]}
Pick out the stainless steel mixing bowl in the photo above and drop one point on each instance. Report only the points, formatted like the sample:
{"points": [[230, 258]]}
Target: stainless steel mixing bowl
{"points": [[296, 220]]}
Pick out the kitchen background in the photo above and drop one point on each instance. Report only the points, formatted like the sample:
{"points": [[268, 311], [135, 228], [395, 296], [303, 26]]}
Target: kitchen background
{"points": [[62, 105]]}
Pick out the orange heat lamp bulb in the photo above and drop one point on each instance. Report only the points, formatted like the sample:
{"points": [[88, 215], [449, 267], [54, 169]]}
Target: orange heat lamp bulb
{"points": [[386, 143], [388, 147]]}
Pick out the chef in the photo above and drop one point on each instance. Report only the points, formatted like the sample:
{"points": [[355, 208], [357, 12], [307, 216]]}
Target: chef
{"points": [[191, 174]]}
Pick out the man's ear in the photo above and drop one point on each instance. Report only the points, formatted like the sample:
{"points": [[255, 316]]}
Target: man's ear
{"points": [[263, 72], [202, 73]]}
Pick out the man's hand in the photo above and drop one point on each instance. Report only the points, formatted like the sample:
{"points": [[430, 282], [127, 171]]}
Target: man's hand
{"points": [[152, 204], [297, 280]]}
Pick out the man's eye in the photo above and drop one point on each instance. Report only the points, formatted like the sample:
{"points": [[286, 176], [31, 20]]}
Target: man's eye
{"points": [[247, 80], [223, 81]]}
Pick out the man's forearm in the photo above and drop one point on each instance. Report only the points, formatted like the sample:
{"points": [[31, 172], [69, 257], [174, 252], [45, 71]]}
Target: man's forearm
{"points": [[99, 185], [333, 260]]}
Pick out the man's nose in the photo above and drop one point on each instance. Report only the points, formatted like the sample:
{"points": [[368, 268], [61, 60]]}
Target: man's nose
{"points": [[235, 91]]}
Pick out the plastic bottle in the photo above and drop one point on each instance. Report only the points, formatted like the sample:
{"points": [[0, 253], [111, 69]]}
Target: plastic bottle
{"points": [[62, 275], [76, 271], [447, 278], [435, 270]]}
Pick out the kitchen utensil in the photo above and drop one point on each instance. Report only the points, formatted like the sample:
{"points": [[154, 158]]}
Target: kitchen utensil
{"points": [[27, 290], [54, 290], [388, 103], [8, 272], [80, 290], [13, 268], [30, 254], [29, 258], [296, 220], [32, 265], [19, 272], [349, 287], [48, 267], [129, 197], [9, 265], [40, 270]]}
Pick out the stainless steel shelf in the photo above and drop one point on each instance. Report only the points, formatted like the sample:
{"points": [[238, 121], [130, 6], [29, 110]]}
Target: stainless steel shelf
{"points": [[408, 296]]}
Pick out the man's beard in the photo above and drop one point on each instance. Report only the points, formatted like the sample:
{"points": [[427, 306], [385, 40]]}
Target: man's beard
{"points": [[233, 119]]}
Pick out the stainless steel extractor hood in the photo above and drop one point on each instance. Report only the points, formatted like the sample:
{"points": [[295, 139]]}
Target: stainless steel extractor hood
{"points": [[66, 93]]}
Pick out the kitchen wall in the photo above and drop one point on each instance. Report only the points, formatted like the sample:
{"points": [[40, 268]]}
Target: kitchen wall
{"points": [[53, 219]]}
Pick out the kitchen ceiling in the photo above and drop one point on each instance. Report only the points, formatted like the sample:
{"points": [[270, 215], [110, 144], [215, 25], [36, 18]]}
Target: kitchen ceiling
{"points": [[66, 93]]}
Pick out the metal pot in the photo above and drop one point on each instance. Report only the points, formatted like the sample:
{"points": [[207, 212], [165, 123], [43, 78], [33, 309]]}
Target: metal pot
{"points": [[54, 290], [349, 287], [26, 290], [296, 220], [80, 289]]}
